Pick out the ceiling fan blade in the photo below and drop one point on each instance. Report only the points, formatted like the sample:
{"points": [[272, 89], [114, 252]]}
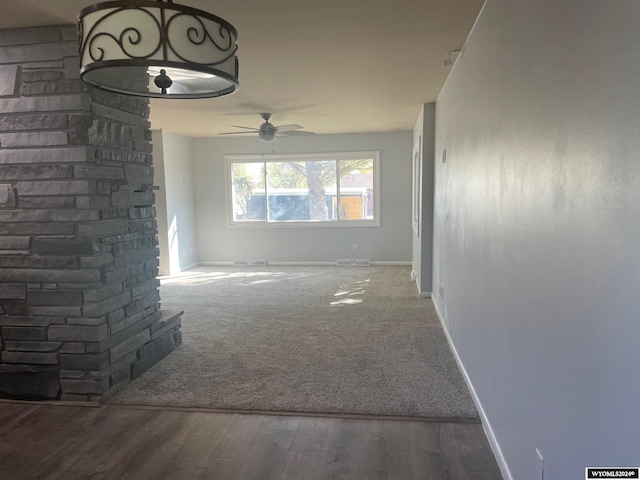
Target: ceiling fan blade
{"points": [[236, 133], [297, 132], [247, 128], [288, 128]]}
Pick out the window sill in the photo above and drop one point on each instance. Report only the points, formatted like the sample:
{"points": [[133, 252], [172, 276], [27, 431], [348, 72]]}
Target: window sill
{"points": [[307, 224]]}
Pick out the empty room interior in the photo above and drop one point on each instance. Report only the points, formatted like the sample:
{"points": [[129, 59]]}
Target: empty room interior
{"points": [[350, 240]]}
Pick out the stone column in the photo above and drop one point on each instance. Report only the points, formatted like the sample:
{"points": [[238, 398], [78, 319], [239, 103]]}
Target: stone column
{"points": [[79, 301]]}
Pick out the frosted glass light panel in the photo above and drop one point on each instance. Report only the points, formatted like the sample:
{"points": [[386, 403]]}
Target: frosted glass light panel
{"points": [[157, 49]]}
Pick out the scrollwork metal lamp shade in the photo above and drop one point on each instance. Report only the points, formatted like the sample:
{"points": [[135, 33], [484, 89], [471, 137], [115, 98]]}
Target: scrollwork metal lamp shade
{"points": [[155, 48]]}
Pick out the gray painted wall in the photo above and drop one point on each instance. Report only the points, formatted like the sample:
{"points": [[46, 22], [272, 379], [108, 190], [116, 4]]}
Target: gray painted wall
{"points": [[422, 239], [537, 229], [164, 267], [390, 242], [177, 230]]}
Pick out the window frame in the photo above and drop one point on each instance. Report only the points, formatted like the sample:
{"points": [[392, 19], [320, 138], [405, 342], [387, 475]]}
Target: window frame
{"points": [[302, 157]]}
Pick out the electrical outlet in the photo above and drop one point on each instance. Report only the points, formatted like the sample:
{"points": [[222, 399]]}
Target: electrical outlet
{"points": [[539, 466], [444, 156], [441, 290], [355, 247]]}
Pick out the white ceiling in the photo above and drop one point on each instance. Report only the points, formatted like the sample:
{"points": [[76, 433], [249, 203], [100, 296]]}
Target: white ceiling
{"points": [[336, 66]]}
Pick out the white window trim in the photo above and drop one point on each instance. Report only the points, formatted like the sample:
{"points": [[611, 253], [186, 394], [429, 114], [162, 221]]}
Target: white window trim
{"points": [[302, 157]]}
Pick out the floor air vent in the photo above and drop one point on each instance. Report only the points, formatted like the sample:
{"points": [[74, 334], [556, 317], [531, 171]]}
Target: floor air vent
{"points": [[353, 263], [250, 262]]}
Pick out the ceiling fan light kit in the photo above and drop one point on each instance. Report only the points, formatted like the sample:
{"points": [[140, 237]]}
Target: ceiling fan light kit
{"points": [[268, 131], [155, 48]]}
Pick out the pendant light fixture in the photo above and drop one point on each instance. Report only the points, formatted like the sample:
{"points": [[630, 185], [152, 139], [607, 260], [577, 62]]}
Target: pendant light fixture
{"points": [[155, 48]]}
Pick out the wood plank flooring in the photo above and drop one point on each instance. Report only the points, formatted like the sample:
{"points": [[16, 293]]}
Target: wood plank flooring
{"points": [[63, 442]]}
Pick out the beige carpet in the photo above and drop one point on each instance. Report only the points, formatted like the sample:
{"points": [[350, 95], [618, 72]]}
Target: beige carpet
{"points": [[353, 340]]}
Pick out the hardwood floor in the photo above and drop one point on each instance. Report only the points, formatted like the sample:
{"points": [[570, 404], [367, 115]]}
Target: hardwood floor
{"points": [[62, 442]]}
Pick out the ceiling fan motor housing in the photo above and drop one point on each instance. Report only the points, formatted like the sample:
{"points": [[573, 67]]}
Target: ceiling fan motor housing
{"points": [[267, 132]]}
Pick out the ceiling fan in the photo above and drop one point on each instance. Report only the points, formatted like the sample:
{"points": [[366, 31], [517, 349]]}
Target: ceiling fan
{"points": [[268, 131]]}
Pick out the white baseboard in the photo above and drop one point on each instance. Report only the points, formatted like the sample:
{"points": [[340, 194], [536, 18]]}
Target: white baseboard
{"points": [[165, 274], [382, 262], [187, 267], [420, 292], [486, 425], [272, 264], [285, 263], [303, 264]]}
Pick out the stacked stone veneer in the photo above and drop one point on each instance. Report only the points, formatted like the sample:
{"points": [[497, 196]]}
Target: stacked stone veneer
{"points": [[79, 302]]}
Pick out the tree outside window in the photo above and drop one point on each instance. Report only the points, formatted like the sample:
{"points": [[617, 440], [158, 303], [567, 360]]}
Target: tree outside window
{"points": [[325, 188]]}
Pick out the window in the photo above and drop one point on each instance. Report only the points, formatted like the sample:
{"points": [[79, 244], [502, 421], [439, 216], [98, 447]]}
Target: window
{"points": [[328, 189]]}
